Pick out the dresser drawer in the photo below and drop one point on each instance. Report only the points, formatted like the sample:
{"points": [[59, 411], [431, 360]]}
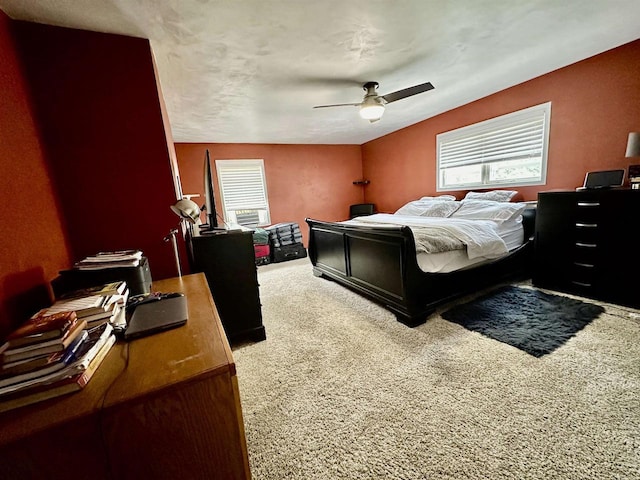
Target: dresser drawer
{"points": [[587, 232], [588, 213], [588, 238], [584, 275]]}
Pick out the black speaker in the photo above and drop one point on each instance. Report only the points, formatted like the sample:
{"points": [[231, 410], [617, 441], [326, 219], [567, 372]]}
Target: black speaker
{"points": [[360, 209]]}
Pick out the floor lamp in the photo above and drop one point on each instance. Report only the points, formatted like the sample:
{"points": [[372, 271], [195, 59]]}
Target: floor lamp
{"points": [[172, 237]]}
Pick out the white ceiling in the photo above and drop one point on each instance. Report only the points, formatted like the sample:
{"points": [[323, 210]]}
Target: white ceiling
{"points": [[250, 71]]}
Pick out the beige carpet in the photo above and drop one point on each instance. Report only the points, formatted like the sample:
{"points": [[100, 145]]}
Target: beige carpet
{"points": [[341, 390]]}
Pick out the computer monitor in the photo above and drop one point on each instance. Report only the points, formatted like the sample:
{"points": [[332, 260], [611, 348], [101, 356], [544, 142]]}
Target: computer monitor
{"points": [[209, 199]]}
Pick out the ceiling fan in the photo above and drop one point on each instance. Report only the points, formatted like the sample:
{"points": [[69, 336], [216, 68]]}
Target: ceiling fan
{"points": [[372, 106]]}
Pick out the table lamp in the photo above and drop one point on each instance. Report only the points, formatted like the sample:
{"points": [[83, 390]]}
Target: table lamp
{"points": [[187, 209]]}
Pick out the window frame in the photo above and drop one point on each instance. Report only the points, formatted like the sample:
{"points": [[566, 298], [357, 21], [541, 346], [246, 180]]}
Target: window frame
{"points": [[493, 126], [229, 214]]}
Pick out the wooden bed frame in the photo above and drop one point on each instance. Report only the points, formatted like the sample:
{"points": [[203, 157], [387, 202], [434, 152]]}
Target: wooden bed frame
{"points": [[381, 264]]}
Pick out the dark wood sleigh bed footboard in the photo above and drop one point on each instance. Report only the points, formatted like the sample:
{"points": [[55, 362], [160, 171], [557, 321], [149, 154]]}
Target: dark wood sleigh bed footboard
{"points": [[381, 264]]}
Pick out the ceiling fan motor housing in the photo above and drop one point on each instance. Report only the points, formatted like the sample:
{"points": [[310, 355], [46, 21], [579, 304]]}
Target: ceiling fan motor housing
{"points": [[372, 106], [370, 88]]}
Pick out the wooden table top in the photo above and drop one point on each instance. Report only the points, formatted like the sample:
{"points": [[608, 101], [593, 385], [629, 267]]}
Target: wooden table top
{"points": [[139, 367]]}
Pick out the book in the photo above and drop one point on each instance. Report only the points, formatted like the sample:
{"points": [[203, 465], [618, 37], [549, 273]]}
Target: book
{"points": [[20, 366], [100, 317], [42, 348], [115, 317], [60, 387], [120, 254], [59, 361], [83, 306], [85, 354], [107, 310], [41, 327], [34, 363], [111, 288], [120, 298], [83, 378], [103, 265], [123, 258], [119, 321]]}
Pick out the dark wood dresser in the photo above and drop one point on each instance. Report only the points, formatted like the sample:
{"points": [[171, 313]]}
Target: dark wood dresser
{"points": [[228, 261], [165, 406], [584, 243]]}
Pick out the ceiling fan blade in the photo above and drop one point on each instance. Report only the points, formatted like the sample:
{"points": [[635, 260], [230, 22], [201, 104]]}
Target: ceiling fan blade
{"points": [[407, 92], [339, 105]]}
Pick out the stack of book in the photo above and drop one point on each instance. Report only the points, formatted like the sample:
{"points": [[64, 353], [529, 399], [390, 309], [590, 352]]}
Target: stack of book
{"points": [[117, 259], [50, 355], [98, 304]]}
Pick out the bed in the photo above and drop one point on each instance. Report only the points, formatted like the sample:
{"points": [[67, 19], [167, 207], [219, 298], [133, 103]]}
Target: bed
{"points": [[389, 258]]}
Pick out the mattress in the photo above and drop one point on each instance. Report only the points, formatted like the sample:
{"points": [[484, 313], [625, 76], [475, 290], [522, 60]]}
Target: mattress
{"points": [[511, 232]]}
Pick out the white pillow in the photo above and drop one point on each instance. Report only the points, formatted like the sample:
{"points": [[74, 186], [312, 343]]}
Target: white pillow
{"points": [[489, 210], [440, 209], [428, 208], [440, 197], [495, 195]]}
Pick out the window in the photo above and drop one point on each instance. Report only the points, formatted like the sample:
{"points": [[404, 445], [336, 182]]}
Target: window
{"points": [[501, 152], [244, 192]]}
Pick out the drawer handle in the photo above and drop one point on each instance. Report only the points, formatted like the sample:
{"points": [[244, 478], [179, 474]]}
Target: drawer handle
{"points": [[587, 225], [587, 245], [588, 204], [586, 265], [582, 284]]}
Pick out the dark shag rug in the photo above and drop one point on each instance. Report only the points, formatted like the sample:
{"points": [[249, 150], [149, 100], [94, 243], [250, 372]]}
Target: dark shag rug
{"points": [[533, 321]]}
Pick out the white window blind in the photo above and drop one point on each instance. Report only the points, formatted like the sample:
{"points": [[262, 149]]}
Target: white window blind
{"points": [[243, 191], [504, 151]]}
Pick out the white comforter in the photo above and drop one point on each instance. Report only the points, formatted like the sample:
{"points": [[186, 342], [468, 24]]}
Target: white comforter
{"points": [[435, 234]]}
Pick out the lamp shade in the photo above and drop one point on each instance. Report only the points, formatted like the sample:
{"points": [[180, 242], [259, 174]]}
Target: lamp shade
{"points": [[371, 109], [633, 145], [187, 209]]}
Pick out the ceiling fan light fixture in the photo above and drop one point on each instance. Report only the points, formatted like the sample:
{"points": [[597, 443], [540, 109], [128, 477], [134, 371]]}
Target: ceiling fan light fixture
{"points": [[371, 109], [372, 106]]}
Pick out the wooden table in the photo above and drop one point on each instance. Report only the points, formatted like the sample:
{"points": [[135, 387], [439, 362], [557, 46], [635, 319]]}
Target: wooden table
{"points": [[166, 406]]}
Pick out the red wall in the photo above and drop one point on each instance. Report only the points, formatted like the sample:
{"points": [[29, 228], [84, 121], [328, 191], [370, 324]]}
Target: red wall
{"points": [[595, 104], [101, 120], [32, 245], [313, 181]]}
